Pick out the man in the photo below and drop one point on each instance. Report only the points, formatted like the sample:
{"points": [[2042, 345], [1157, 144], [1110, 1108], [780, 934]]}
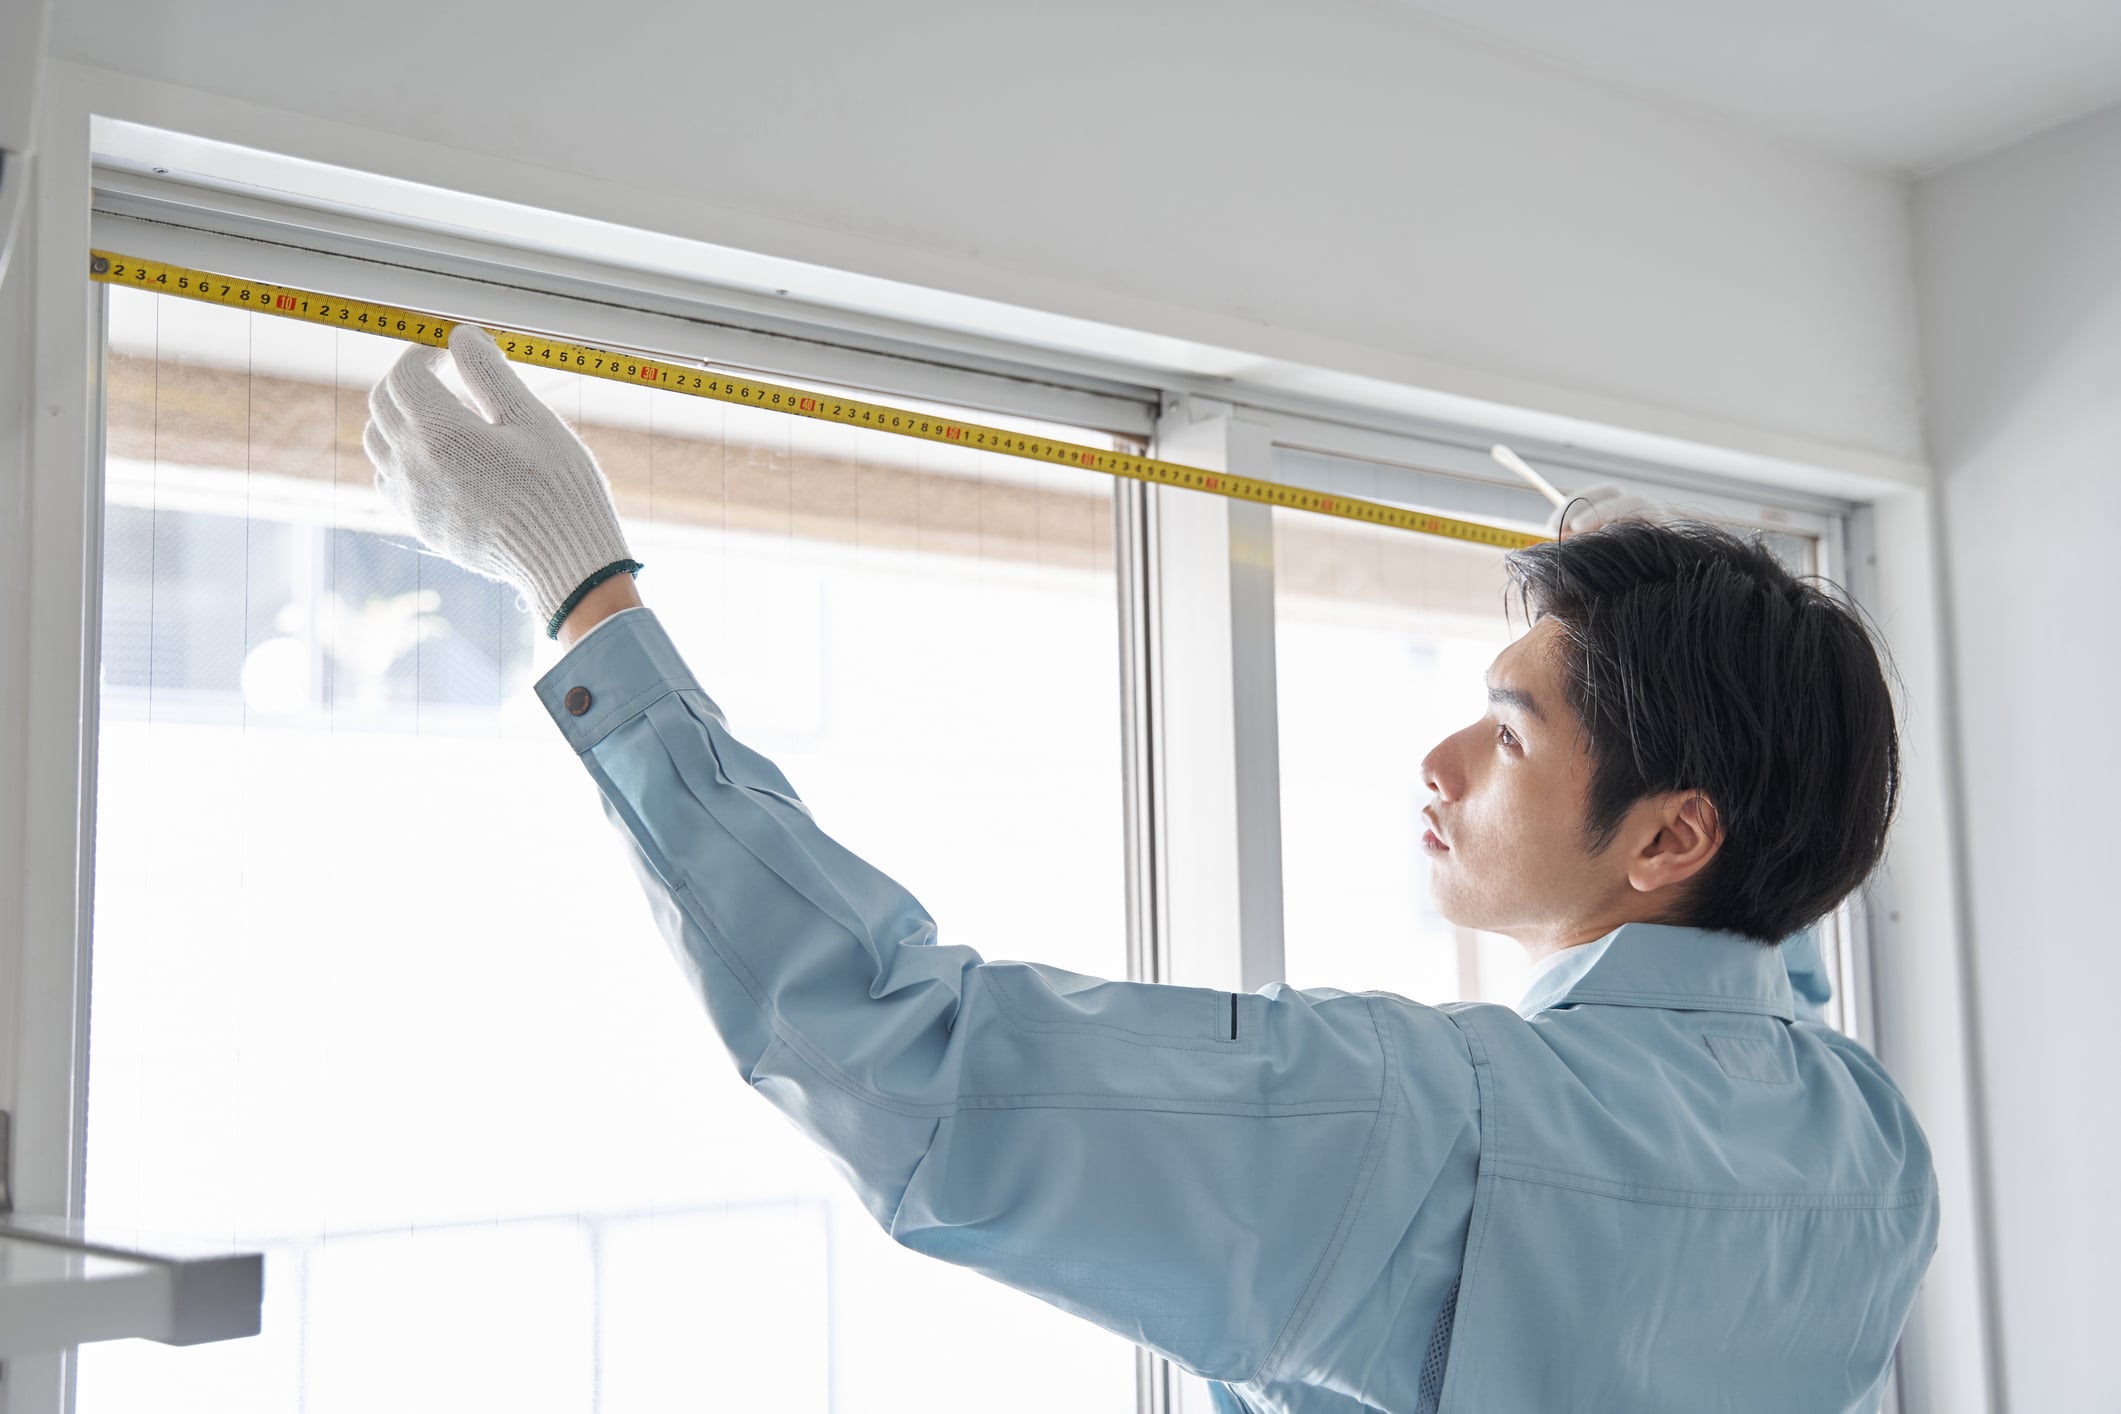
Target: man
{"points": [[1648, 1188]]}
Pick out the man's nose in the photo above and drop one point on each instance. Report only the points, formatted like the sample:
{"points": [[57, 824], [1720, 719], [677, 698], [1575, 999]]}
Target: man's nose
{"points": [[1436, 772]]}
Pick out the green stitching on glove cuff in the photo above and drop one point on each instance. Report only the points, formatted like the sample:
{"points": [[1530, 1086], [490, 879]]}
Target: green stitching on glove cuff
{"points": [[552, 629]]}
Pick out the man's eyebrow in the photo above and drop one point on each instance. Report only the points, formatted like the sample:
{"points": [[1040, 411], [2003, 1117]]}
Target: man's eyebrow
{"points": [[1515, 697]]}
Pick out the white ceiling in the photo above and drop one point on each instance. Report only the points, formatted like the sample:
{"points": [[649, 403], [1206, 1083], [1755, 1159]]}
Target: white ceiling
{"points": [[1912, 84]]}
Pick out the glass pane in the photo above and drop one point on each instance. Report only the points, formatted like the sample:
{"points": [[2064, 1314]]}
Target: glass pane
{"points": [[1382, 638], [374, 987]]}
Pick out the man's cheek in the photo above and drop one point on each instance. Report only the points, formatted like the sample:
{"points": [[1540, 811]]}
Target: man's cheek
{"points": [[1460, 866], [1447, 891]]}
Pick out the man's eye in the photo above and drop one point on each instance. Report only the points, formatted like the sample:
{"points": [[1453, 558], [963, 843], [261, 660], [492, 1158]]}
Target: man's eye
{"points": [[1506, 736]]}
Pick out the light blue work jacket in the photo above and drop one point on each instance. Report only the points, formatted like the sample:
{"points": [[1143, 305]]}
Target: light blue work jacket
{"points": [[1647, 1189]]}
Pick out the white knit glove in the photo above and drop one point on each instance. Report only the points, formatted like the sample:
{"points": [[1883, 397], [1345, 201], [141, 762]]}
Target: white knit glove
{"points": [[1591, 508], [512, 495]]}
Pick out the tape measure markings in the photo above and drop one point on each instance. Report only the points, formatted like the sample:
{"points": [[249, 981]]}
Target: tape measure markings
{"points": [[414, 326]]}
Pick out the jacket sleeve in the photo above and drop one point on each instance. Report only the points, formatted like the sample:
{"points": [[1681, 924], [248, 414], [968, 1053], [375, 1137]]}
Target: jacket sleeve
{"points": [[1179, 1165]]}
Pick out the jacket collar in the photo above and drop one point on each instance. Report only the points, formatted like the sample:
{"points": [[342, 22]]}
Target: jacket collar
{"points": [[1661, 965]]}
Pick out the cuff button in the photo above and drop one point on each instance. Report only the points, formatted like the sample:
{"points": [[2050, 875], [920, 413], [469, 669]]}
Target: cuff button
{"points": [[577, 701]]}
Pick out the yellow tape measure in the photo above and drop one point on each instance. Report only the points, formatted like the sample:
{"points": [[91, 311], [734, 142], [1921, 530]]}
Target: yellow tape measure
{"points": [[416, 327]]}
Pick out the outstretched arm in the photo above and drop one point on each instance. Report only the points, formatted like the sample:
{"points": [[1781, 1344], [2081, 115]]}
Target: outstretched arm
{"points": [[1214, 1175], [1182, 1166]]}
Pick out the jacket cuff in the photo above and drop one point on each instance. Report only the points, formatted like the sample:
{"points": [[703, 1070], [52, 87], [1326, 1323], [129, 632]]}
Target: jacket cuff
{"points": [[611, 675]]}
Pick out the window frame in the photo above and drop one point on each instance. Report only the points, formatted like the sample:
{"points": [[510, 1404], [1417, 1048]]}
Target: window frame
{"points": [[47, 1383], [1171, 547]]}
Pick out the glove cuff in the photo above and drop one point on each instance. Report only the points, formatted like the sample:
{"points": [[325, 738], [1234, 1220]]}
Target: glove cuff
{"points": [[548, 555], [581, 592]]}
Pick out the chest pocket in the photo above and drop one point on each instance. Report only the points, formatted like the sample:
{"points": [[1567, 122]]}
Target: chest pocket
{"points": [[1766, 1059]]}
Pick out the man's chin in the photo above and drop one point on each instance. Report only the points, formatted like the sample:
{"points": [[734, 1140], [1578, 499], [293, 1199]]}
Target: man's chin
{"points": [[1454, 909]]}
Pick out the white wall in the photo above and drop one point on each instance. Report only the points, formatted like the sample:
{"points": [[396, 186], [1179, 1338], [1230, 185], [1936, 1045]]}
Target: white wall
{"points": [[1327, 182], [2019, 256]]}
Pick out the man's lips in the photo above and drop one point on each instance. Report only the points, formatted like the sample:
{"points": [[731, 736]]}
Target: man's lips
{"points": [[1432, 839]]}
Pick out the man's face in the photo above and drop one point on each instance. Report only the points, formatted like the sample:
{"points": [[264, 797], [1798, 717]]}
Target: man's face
{"points": [[1508, 807]]}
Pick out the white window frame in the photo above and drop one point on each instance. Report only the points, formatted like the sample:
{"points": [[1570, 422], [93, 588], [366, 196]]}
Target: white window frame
{"points": [[1203, 841], [236, 242]]}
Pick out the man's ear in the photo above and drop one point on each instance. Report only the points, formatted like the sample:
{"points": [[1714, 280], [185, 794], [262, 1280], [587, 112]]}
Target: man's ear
{"points": [[1687, 834]]}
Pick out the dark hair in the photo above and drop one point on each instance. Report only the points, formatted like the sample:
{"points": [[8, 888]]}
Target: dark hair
{"points": [[1696, 661]]}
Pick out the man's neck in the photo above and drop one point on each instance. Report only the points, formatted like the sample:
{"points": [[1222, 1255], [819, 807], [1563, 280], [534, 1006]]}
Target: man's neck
{"points": [[1543, 943], [1540, 947], [1549, 960]]}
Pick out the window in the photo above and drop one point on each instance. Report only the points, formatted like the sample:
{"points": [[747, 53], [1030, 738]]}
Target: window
{"points": [[374, 989]]}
